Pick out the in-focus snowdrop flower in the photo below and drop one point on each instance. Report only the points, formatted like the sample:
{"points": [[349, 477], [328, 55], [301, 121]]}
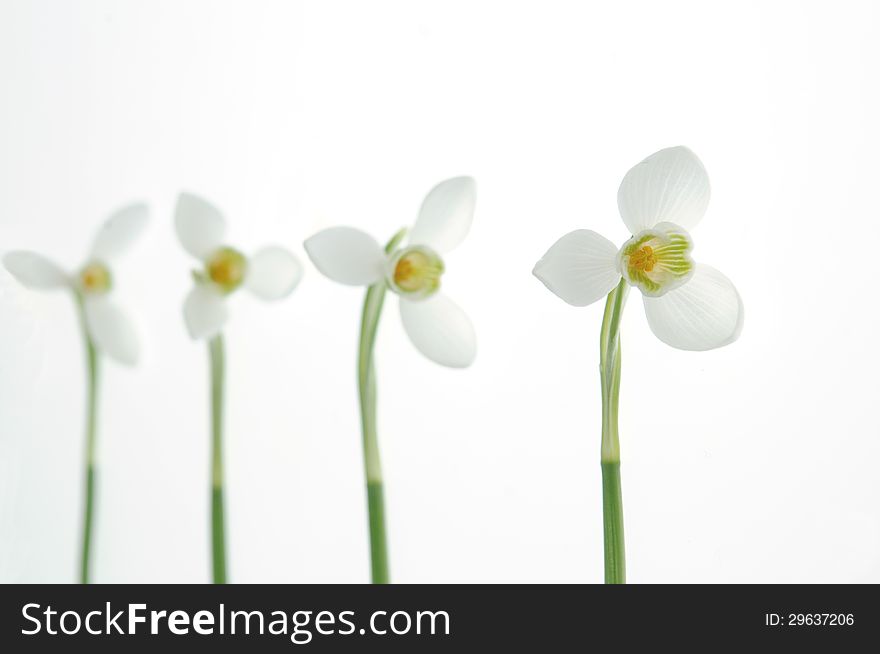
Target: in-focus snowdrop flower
{"points": [[689, 306], [270, 274], [110, 329], [435, 324]]}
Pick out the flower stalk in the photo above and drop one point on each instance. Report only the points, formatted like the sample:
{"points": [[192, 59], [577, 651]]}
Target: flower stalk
{"points": [[105, 327], [372, 312], [218, 530], [91, 439], [612, 500], [689, 305]]}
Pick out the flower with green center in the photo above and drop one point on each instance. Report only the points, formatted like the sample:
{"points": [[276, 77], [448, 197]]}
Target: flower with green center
{"points": [[437, 327], [270, 274], [689, 306], [657, 260], [95, 279], [415, 272], [106, 327], [226, 268]]}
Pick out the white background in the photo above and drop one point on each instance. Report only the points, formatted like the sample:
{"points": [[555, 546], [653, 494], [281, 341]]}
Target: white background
{"points": [[757, 462]]}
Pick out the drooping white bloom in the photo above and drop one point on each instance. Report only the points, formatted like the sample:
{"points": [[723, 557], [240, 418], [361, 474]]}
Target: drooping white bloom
{"points": [[689, 306], [108, 326], [435, 324], [270, 274]]}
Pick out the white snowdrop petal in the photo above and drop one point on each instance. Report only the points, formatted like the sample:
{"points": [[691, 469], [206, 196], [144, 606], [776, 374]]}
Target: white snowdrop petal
{"points": [[200, 225], [205, 311], [111, 330], [703, 314], [34, 270], [120, 231], [446, 215], [273, 273], [347, 255], [669, 186], [440, 330], [580, 268]]}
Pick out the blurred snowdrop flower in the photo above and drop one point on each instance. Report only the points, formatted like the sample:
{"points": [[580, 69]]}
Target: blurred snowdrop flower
{"points": [[270, 274], [689, 306], [106, 328], [435, 324], [107, 325]]}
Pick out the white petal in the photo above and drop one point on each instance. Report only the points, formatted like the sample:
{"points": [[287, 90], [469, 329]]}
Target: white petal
{"points": [[34, 270], [581, 267], [446, 215], [273, 273], [671, 185], [199, 224], [703, 314], [111, 330], [440, 330], [205, 311], [120, 231], [347, 255]]}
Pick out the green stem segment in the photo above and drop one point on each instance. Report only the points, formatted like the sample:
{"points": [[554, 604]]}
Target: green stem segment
{"points": [[612, 500], [373, 303], [218, 531], [612, 519], [91, 438]]}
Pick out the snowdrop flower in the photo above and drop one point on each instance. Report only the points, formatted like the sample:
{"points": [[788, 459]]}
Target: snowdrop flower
{"points": [[270, 274], [435, 324], [106, 328], [689, 306], [437, 327], [110, 329]]}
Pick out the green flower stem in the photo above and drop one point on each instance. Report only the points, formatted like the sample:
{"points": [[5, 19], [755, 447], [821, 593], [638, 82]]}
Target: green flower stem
{"points": [[612, 520], [218, 531], [372, 465], [373, 303], [612, 499], [91, 438]]}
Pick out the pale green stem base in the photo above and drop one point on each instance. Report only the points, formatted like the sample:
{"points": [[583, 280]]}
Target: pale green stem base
{"points": [[91, 438], [612, 498], [373, 303], [612, 518], [380, 573], [218, 531]]}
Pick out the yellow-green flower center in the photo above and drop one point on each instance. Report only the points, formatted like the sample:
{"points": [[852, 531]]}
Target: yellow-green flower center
{"points": [[415, 272], [95, 278], [226, 268], [657, 260]]}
